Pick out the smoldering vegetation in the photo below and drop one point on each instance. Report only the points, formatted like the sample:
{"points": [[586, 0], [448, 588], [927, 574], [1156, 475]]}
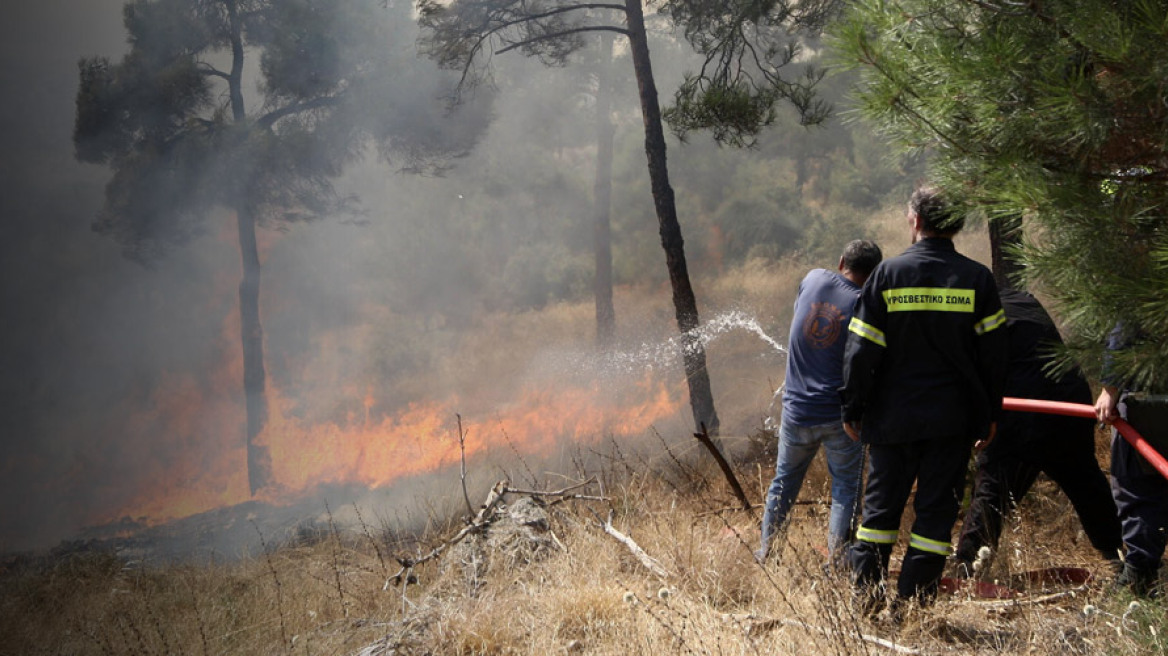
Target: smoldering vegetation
{"points": [[625, 552]]}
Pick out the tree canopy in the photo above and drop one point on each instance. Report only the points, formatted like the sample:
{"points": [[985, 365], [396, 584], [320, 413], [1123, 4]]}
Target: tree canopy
{"points": [[175, 121], [747, 48], [1052, 118], [170, 118]]}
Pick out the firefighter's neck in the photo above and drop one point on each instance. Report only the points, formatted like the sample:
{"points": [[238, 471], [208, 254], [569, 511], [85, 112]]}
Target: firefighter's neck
{"points": [[919, 231]]}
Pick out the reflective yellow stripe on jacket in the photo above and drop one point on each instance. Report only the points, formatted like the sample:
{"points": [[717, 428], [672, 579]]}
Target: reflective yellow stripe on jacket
{"points": [[867, 331], [931, 299], [995, 320]]}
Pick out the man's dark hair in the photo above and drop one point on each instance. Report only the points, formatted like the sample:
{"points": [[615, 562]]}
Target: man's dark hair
{"points": [[861, 256], [937, 215]]}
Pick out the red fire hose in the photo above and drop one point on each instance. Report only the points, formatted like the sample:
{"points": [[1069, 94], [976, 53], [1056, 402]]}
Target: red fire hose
{"points": [[1082, 410]]}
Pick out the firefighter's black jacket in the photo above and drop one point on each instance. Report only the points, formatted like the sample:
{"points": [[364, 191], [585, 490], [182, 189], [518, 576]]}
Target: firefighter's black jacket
{"points": [[926, 354]]}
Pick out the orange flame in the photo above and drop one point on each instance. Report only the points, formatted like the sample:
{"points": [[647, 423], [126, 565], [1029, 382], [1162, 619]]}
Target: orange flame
{"points": [[191, 434], [422, 438]]}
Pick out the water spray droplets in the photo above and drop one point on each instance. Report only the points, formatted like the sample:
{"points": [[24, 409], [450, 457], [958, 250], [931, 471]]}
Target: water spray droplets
{"points": [[664, 354]]}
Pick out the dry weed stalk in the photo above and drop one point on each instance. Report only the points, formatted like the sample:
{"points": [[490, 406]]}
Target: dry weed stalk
{"points": [[284, 641]]}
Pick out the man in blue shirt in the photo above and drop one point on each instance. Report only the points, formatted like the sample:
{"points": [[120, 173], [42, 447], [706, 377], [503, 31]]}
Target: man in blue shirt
{"points": [[811, 406]]}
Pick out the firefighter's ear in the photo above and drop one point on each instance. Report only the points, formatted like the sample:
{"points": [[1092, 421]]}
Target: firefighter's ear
{"points": [[915, 224]]}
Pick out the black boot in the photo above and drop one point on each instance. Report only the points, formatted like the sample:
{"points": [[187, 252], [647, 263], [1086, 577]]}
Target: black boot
{"points": [[1141, 581]]}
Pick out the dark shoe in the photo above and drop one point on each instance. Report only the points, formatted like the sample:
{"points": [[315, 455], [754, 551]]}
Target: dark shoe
{"points": [[1141, 582], [898, 611], [1115, 567]]}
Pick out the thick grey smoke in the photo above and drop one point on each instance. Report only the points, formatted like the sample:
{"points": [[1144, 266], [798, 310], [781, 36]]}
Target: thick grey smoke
{"points": [[117, 379], [63, 290]]}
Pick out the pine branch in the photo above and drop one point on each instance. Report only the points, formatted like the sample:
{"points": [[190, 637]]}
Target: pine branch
{"points": [[556, 35]]}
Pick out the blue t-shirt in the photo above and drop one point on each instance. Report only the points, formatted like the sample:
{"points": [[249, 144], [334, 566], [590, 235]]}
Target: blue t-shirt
{"points": [[815, 348]]}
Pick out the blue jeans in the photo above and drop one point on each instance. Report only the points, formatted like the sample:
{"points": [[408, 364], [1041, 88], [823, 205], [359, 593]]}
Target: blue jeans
{"points": [[797, 447]]}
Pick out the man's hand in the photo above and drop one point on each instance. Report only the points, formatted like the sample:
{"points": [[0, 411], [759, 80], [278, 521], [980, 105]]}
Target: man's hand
{"points": [[852, 428], [1105, 405], [983, 443]]}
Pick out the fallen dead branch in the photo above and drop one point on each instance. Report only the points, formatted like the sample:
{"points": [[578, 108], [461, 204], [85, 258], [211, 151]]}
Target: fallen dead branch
{"points": [[1030, 601], [565, 494], [644, 558], [481, 520]]}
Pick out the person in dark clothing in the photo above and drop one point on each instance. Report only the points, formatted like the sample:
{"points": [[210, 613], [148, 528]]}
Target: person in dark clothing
{"points": [[1141, 493], [1028, 443], [924, 367]]}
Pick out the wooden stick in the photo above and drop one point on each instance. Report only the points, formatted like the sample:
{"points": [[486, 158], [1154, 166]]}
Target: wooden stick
{"points": [[704, 438], [1030, 601], [646, 560], [462, 471], [566, 492]]}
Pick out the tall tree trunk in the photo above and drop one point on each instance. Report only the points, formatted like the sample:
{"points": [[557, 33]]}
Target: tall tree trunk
{"points": [[685, 305], [259, 464], [1004, 233], [602, 197]]}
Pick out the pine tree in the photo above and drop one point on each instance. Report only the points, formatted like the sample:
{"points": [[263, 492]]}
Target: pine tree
{"points": [[177, 122], [1052, 119], [747, 47]]}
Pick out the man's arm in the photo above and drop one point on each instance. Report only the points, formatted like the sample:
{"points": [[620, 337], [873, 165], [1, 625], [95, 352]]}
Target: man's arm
{"points": [[1106, 406], [993, 353], [862, 354]]}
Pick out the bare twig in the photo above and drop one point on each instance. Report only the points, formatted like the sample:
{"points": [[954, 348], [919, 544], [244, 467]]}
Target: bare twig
{"points": [[704, 438], [372, 541], [563, 494], [480, 520], [734, 509], [530, 474], [279, 589], [336, 545], [462, 472]]}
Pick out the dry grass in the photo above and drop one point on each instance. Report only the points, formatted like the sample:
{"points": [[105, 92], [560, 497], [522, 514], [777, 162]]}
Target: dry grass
{"points": [[586, 593], [578, 590]]}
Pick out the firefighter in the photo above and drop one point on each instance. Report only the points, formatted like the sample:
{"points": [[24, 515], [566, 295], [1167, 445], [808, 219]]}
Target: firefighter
{"points": [[1140, 492], [1028, 443], [924, 368]]}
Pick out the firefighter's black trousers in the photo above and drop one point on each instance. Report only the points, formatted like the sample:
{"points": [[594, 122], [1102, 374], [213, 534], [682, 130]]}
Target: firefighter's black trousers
{"points": [[1026, 444], [1140, 491], [938, 467]]}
